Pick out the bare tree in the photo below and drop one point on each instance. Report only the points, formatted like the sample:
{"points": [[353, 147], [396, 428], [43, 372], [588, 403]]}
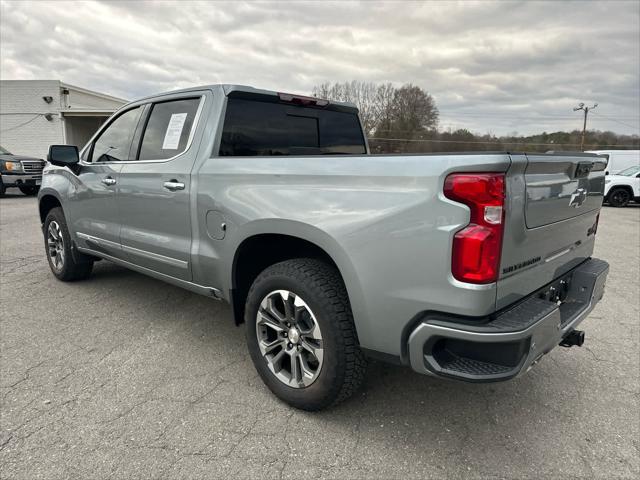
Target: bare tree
{"points": [[362, 94], [384, 109], [324, 90]]}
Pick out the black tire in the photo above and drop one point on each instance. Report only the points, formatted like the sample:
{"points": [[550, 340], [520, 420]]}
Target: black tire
{"points": [[30, 190], [2, 189], [321, 287], [73, 264], [619, 197]]}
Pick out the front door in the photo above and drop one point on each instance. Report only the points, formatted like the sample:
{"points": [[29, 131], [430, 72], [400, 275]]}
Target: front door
{"points": [[92, 200], [154, 191]]}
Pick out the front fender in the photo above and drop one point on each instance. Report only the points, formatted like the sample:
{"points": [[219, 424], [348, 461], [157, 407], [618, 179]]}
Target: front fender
{"points": [[56, 182]]}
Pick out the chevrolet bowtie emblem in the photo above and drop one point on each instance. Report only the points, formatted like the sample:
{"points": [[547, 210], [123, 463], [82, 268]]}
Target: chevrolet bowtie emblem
{"points": [[578, 197]]}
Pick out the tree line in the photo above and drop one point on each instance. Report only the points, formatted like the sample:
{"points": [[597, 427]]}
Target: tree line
{"points": [[405, 120], [407, 110]]}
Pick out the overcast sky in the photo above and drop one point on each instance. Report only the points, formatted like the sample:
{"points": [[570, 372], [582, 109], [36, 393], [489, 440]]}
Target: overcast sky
{"points": [[491, 67]]}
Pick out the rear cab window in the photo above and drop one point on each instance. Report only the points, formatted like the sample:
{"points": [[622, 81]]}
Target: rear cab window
{"points": [[168, 129], [263, 126]]}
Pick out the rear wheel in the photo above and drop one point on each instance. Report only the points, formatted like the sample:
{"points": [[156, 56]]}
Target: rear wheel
{"points": [[30, 190], [65, 264], [619, 197], [301, 334]]}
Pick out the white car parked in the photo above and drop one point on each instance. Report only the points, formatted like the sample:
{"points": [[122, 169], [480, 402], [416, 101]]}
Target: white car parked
{"points": [[619, 159], [623, 187]]}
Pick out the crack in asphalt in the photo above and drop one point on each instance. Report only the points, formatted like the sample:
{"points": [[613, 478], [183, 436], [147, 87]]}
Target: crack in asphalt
{"points": [[123, 376]]}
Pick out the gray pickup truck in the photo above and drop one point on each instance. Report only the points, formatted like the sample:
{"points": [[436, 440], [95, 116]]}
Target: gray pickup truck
{"points": [[464, 266]]}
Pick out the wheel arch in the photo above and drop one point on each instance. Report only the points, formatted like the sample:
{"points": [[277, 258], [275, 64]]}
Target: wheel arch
{"points": [[628, 188], [261, 249], [47, 202]]}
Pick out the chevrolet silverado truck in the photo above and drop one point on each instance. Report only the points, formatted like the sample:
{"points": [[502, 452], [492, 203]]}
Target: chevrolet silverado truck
{"points": [[463, 266], [24, 173]]}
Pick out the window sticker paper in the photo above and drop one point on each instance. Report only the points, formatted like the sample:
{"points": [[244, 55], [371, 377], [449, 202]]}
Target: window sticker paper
{"points": [[174, 131]]}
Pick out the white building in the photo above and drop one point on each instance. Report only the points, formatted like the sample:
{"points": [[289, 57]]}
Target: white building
{"points": [[37, 113]]}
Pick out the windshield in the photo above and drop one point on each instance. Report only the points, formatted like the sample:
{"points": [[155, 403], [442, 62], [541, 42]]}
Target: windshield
{"points": [[629, 172], [4, 151]]}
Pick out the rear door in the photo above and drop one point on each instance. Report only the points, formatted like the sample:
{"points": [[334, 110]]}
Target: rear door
{"points": [[553, 201], [154, 189]]}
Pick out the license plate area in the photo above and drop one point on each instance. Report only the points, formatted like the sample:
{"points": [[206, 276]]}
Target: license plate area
{"points": [[557, 291], [587, 288], [577, 290]]}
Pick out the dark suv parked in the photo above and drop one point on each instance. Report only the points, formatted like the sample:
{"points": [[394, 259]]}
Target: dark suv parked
{"points": [[24, 173]]}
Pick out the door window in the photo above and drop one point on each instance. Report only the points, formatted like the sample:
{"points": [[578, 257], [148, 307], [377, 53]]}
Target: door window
{"points": [[114, 143], [168, 129]]}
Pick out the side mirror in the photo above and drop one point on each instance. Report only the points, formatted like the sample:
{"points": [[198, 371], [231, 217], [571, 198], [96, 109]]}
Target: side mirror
{"points": [[606, 173], [63, 155]]}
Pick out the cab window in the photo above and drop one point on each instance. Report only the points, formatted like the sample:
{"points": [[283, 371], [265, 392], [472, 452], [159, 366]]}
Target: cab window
{"points": [[114, 143], [264, 128], [168, 128]]}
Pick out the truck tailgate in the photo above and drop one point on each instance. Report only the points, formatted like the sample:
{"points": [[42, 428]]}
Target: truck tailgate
{"points": [[553, 201]]}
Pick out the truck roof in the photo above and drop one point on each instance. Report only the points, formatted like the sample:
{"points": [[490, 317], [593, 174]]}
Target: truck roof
{"points": [[231, 88]]}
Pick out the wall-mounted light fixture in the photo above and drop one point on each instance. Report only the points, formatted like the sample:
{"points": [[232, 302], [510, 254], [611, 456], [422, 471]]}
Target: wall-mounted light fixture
{"points": [[65, 97], [47, 98], [48, 116]]}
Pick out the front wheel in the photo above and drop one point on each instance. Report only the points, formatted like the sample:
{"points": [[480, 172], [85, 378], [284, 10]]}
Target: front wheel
{"points": [[301, 334], [29, 190], [65, 264], [619, 197]]}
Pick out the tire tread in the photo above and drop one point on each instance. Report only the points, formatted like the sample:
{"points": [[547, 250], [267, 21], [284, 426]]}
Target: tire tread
{"points": [[332, 295], [73, 269]]}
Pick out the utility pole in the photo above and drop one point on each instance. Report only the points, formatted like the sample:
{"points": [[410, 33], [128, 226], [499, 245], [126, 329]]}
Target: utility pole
{"points": [[581, 106]]}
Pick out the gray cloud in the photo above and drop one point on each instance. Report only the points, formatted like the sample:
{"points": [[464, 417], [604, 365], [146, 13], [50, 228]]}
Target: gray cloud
{"points": [[499, 67]]}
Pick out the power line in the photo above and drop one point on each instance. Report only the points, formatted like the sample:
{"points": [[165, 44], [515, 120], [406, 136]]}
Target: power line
{"points": [[517, 115], [506, 115], [614, 120], [22, 124], [23, 113], [460, 127], [489, 143]]}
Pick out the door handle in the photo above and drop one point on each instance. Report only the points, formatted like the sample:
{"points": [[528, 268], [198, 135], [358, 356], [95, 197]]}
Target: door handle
{"points": [[108, 181], [174, 185]]}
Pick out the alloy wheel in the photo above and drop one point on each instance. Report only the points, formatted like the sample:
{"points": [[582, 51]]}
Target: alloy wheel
{"points": [[289, 338], [55, 245], [620, 197]]}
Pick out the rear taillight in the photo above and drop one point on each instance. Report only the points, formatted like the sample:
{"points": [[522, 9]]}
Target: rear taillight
{"points": [[476, 248]]}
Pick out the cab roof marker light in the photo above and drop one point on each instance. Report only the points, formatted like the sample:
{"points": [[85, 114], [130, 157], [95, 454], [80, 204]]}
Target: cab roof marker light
{"points": [[302, 100]]}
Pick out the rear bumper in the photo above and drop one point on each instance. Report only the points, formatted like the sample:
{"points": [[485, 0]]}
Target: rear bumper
{"points": [[514, 340]]}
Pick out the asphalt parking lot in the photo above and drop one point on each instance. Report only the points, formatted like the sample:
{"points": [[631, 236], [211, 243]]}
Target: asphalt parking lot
{"points": [[123, 376]]}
